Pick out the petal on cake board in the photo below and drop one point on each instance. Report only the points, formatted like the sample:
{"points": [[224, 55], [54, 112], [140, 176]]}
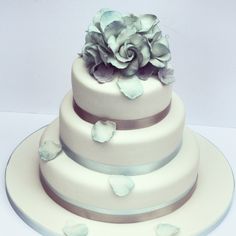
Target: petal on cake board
{"points": [[167, 230], [75, 229]]}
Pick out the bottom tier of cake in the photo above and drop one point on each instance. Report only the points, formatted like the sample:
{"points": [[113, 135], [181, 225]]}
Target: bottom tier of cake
{"points": [[78, 187], [198, 216]]}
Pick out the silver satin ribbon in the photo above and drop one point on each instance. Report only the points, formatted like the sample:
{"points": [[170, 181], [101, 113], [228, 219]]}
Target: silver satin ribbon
{"points": [[123, 124], [117, 216], [118, 169]]}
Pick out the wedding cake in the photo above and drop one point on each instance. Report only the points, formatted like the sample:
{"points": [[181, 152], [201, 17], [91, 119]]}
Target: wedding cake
{"points": [[120, 153]]}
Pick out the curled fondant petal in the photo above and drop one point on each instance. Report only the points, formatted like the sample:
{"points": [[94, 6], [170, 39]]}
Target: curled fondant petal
{"points": [[104, 73], [49, 150], [103, 131], [116, 63], [157, 63], [93, 28], [97, 17], [167, 230], [121, 185], [166, 75], [147, 71], [125, 35], [132, 87], [132, 67], [147, 21], [75, 230], [108, 17], [153, 32], [113, 29], [132, 21]]}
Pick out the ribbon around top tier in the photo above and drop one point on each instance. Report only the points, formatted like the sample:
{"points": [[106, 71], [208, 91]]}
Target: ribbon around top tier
{"points": [[123, 124], [117, 216]]}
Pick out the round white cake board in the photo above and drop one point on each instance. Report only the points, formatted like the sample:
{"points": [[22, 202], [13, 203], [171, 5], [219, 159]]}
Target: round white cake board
{"points": [[201, 214]]}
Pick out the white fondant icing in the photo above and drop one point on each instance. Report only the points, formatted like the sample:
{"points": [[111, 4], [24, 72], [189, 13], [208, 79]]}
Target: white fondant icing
{"points": [[167, 230], [121, 185], [105, 100], [80, 185], [103, 131], [48, 150], [127, 147]]}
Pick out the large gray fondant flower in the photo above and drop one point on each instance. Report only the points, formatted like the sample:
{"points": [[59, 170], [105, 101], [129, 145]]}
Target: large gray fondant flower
{"points": [[125, 43]]}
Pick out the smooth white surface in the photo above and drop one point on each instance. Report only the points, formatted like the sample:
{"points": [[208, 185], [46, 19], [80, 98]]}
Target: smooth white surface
{"points": [[127, 147], [209, 207], [106, 100], [24, 124], [40, 39], [159, 187]]}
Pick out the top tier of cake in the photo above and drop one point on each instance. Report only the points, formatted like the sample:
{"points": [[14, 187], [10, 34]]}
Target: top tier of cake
{"points": [[105, 100]]}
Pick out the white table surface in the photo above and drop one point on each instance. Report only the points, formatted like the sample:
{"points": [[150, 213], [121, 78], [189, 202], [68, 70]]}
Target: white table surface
{"points": [[14, 127]]}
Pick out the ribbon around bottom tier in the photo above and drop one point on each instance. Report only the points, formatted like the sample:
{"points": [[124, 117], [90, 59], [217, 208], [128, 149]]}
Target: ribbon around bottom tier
{"points": [[117, 216], [130, 170]]}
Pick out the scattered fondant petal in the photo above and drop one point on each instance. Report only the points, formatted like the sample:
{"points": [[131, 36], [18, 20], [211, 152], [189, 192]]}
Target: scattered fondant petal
{"points": [[75, 230], [103, 131], [167, 230], [49, 150], [121, 185], [131, 87]]}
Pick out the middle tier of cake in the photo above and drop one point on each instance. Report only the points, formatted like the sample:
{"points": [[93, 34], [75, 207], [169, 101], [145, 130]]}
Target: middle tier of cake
{"points": [[75, 186], [136, 151]]}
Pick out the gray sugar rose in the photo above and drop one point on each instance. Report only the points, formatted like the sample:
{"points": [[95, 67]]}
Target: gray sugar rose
{"points": [[126, 43]]}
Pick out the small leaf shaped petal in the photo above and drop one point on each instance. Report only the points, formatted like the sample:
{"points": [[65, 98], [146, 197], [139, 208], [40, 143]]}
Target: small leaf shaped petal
{"points": [[121, 185], [131, 87], [75, 230], [167, 230], [147, 71], [113, 29], [132, 21], [104, 73], [103, 131], [97, 17], [116, 63], [153, 32], [166, 75], [157, 63], [108, 17], [49, 150], [147, 21], [93, 28]]}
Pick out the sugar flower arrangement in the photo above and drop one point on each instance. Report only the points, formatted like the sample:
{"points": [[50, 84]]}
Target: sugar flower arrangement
{"points": [[127, 44]]}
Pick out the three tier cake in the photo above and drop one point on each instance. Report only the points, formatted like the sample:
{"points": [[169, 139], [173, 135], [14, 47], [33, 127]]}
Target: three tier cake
{"points": [[119, 159]]}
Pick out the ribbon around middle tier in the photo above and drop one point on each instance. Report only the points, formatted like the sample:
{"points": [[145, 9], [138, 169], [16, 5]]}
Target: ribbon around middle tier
{"points": [[123, 124]]}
